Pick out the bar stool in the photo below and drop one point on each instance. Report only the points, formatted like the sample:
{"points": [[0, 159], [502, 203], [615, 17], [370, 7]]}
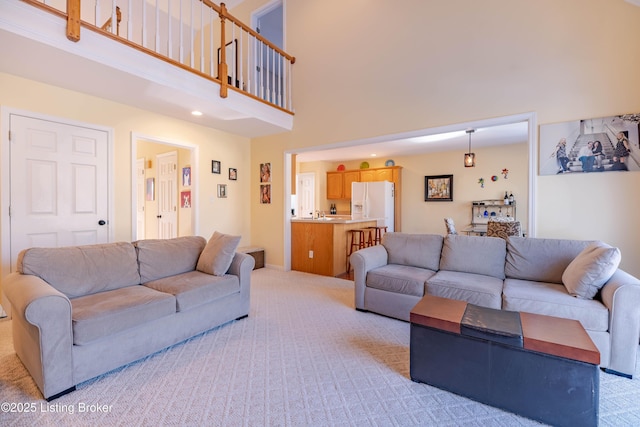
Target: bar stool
{"points": [[378, 231], [357, 242]]}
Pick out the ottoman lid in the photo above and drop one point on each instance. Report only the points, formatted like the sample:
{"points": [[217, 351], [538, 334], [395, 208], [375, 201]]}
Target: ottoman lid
{"points": [[492, 325]]}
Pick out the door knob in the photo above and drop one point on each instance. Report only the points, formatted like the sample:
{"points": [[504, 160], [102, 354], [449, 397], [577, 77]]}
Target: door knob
{"points": [[102, 222]]}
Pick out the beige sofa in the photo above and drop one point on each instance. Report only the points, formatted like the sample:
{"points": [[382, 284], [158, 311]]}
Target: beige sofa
{"points": [[518, 274], [81, 311]]}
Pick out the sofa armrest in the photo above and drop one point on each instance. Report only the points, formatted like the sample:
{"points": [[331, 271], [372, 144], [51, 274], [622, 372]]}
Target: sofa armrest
{"points": [[362, 261], [242, 266], [42, 331], [621, 295]]}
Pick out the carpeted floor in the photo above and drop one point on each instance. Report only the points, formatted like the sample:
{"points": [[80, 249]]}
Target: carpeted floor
{"points": [[303, 357]]}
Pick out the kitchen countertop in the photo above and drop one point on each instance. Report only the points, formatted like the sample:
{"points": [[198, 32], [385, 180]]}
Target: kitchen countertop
{"points": [[335, 219]]}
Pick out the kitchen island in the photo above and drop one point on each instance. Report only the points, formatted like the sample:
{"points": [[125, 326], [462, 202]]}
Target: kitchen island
{"points": [[319, 246]]}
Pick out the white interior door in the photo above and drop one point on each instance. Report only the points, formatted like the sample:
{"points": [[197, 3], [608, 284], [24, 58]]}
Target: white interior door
{"points": [[167, 195], [140, 198], [59, 184], [306, 194]]}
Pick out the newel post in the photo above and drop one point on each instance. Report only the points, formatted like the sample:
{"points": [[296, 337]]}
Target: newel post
{"points": [[73, 20], [223, 72]]}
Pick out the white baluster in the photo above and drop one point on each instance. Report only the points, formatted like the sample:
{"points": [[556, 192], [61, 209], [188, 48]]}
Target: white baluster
{"points": [[169, 30], [191, 33], [249, 70], [97, 14], [157, 37], [114, 18], [201, 36], [211, 18], [144, 24], [129, 21], [241, 69], [181, 42]]}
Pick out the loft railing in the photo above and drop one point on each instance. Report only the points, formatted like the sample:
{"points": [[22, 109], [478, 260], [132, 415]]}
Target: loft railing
{"points": [[196, 35]]}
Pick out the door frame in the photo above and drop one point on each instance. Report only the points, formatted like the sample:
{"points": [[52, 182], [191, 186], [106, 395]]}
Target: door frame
{"points": [[255, 16], [5, 180], [135, 136]]}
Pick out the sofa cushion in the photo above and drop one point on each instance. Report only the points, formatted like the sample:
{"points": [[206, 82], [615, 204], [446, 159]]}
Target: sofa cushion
{"points": [[552, 299], [401, 279], [82, 270], [218, 253], [540, 260], [107, 313], [474, 254], [477, 289], [160, 258], [590, 270], [415, 250], [194, 288]]}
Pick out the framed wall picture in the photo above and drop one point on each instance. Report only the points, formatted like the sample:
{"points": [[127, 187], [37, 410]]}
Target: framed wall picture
{"points": [[233, 174], [185, 199], [186, 176], [222, 191], [265, 194], [438, 188], [265, 172], [215, 166]]}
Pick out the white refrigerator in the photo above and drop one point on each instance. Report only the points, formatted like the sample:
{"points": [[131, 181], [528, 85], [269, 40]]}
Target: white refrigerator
{"points": [[374, 200]]}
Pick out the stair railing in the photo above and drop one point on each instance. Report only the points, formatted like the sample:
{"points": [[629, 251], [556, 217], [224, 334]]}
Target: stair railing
{"points": [[196, 35]]}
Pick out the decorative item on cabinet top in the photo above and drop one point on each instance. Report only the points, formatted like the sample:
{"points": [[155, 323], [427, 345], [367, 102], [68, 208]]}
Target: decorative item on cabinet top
{"points": [[364, 165], [390, 162]]}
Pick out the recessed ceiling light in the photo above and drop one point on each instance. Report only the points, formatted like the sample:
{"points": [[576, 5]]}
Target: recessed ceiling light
{"points": [[196, 113], [373, 154]]}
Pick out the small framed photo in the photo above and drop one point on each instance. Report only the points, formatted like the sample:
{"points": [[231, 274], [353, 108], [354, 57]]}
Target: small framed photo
{"points": [[222, 191], [185, 199], [233, 174], [438, 188], [186, 176], [215, 166], [265, 194], [265, 172]]}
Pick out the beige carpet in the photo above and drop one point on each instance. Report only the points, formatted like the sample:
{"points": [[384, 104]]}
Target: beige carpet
{"points": [[303, 357]]}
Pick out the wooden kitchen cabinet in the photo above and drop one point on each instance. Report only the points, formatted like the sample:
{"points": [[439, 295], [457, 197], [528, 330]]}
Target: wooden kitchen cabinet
{"points": [[320, 247], [377, 174], [339, 184], [335, 185]]}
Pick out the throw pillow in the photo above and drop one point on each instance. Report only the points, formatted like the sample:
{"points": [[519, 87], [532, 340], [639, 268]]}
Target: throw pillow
{"points": [[591, 269], [216, 257]]}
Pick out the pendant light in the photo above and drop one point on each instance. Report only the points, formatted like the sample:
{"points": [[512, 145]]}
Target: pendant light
{"points": [[469, 157]]}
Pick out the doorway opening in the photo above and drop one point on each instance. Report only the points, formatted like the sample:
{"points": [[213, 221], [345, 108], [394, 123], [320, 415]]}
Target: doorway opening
{"points": [[532, 137], [164, 188], [268, 21]]}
